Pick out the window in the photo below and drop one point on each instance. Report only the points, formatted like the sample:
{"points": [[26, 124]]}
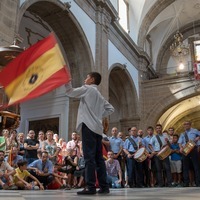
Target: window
{"points": [[197, 51], [123, 14]]}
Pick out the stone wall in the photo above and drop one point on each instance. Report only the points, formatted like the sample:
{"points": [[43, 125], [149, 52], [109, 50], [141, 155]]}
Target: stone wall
{"points": [[8, 13], [160, 94]]}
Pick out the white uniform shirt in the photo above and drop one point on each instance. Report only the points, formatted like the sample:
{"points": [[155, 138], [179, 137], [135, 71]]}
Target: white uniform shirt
{"points": [[155, 144], [92, 108]]}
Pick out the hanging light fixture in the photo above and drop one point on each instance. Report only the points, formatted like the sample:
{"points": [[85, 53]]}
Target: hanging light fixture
{"points": [[178, 48], [8, 53], [181, 66]]}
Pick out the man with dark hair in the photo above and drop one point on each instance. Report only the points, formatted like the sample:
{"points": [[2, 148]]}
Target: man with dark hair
{"points": [[171, 133], [157, 143], [31, 146], [75, 145], [92, 109], [134, 168], [42, 169], [149, 165]]}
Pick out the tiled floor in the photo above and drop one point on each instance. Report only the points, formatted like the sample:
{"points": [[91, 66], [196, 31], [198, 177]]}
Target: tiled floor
{"points": [[132, 194]]}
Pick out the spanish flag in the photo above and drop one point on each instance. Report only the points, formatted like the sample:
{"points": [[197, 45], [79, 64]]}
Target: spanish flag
{"points": [[36, 71]]}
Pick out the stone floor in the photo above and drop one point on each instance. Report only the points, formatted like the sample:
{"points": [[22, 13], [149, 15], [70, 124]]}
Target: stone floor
{"points": [[135, 194]]}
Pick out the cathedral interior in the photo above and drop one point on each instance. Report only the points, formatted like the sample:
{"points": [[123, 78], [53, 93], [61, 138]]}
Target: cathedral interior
{"points": [[148, 52]]}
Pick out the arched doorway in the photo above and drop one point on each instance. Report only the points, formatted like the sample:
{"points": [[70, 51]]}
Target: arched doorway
{"points": [[36, 20], [185, 110], [123, 96]]}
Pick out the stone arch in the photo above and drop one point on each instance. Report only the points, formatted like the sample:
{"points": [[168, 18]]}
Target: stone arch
{"points": [[72, 39], [123, 96], [189, 115], [157, 8], [167, 102]]}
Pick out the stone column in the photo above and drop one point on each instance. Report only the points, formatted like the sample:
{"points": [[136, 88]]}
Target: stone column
{"points": [[143, 75], [101, 60]]}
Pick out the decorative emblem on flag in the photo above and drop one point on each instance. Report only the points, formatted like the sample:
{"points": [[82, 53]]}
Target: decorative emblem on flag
{"points": [[33, 79]]}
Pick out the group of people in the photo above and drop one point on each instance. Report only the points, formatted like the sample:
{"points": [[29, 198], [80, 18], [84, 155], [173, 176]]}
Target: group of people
{"points": [[168, 159], [49, 162], [46, 162]]}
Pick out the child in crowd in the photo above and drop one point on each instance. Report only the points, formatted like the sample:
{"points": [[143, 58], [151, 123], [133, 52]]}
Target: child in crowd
{"points": [[22, 175], [175, 162]]}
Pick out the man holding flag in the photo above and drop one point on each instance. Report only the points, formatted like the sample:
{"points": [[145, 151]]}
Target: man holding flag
{"points": [[92, 109]]}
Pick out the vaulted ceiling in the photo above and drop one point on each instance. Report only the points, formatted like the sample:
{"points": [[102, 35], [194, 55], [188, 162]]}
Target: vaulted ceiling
{"points": [[158, 20]]}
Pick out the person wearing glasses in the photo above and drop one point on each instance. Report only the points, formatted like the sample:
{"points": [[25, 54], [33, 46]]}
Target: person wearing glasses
{"points": [[190, 134], [134, 168]]}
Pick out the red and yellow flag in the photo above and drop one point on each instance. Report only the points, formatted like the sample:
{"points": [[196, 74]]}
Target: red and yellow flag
{"points": [[36, 71]]}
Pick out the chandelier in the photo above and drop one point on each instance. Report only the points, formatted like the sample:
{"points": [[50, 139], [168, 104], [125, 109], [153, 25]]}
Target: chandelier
{"points": [[178, 48]]}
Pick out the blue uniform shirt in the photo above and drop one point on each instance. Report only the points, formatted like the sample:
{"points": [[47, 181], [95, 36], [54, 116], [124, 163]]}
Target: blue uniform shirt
{"points": [[128, 145], [115, 144], [16, 160], [155, 144], [146, 141], [192, 134], [38, 164]]}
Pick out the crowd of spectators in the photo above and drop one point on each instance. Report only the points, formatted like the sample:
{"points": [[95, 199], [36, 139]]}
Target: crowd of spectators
{"points": [[50, 162]]}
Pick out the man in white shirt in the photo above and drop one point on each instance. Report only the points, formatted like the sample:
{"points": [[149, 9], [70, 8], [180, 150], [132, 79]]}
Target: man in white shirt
{"points": [[93, 107], [75, 145]]}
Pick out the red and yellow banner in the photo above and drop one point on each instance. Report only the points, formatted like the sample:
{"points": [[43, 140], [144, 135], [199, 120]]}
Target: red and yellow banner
{"points": [[36, 71]]}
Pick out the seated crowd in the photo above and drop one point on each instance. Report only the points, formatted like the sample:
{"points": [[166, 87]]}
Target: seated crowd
{"points": [[44, 163], [164, 159]]}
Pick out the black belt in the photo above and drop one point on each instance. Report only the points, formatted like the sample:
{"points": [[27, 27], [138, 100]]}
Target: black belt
{"points": [[131, 152]]}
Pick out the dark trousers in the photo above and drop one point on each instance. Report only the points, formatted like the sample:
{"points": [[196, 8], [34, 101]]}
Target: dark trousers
{"points": [[192, 156], [135, 172], [146, 172], [92, 151], [160, 166], [45, 180]]}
